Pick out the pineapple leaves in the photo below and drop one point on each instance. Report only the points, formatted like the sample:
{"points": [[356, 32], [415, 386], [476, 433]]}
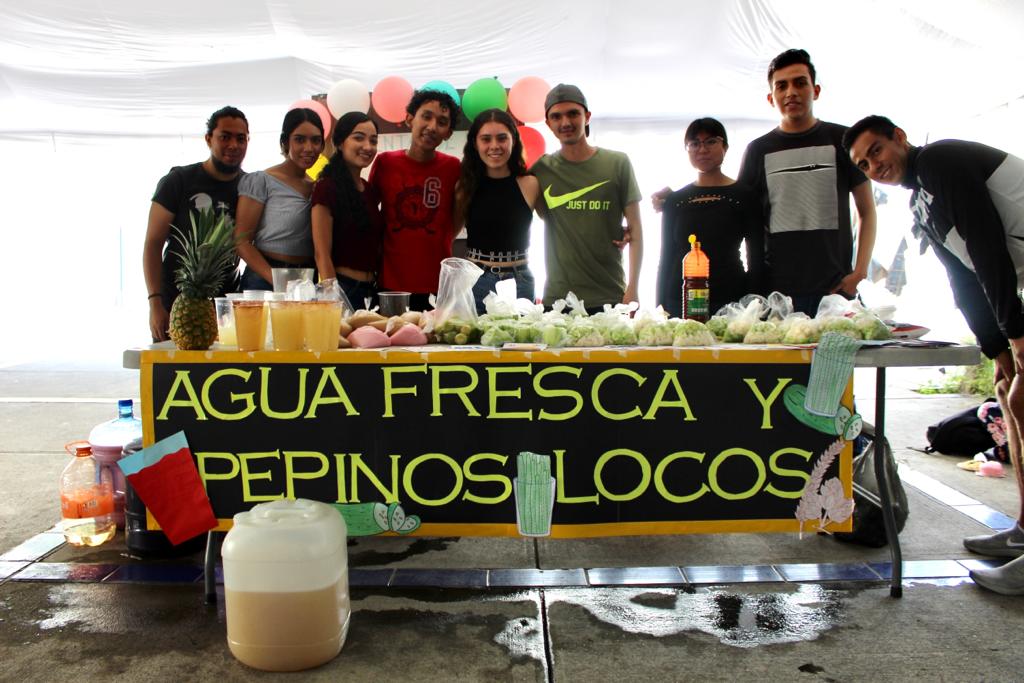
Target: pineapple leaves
{"points": [[207, 253]]}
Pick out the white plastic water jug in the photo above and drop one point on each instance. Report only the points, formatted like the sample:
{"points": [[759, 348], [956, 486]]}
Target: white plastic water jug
{"points": [[108, 441], [286, 585]]}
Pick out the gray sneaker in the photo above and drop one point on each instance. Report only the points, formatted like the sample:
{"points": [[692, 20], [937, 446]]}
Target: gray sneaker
{"points": [[1007, 580], [1006, 543]]}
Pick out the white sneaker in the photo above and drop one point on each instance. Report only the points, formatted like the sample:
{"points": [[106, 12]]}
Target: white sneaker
{"points": [[1006, 543], [1007, 580]]}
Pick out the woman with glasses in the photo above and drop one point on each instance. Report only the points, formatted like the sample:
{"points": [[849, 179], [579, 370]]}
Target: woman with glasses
{"points": [[723, 215]]}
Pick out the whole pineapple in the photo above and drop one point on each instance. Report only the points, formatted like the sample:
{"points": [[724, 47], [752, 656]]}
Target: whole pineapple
{"points": [[207, 254]]}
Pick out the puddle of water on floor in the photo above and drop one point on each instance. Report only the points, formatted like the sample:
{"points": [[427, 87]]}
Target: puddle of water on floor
{"points": [[739, 619]]}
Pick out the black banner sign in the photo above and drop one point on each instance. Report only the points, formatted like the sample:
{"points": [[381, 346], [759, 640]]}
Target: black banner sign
{"points": [[644, 441]]}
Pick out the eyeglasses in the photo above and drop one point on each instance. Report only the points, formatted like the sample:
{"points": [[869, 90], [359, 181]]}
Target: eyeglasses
{"points": [[706, 143]]}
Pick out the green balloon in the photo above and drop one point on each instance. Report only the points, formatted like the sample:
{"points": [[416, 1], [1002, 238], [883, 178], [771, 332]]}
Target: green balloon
{"points": [[483, 94]]}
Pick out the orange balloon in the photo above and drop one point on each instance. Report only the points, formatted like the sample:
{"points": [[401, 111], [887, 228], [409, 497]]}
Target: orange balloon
{"points": [[533, 144], [390, 97], [526, 99]]}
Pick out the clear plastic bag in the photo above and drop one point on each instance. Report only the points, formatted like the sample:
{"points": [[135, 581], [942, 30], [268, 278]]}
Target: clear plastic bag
{"points": [[497, 307], [780, 306], [330, 290], [799, 328], [455, 291], [573, 303], [742, 317], [834, 305]]}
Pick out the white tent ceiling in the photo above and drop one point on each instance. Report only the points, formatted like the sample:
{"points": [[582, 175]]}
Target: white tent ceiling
{"points": [[99, 97], [131, 66]]}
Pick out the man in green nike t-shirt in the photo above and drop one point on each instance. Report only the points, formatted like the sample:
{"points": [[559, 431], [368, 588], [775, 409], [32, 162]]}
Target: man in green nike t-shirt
{"points": [[587, 192]]}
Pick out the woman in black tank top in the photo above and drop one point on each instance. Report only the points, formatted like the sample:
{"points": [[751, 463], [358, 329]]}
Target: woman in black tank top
{"points": [[495, 199]]}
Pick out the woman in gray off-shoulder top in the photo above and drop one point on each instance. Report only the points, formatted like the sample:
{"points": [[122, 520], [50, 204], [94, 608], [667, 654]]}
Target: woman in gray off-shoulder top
{"points": [[273, 205]]}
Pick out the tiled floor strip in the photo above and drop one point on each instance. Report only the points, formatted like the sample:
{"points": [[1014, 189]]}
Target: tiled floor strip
{"points": [[24, 563]]}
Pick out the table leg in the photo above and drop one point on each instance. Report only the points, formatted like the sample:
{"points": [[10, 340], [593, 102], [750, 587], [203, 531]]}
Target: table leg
{"points": [[213, 542], [885, 488]]}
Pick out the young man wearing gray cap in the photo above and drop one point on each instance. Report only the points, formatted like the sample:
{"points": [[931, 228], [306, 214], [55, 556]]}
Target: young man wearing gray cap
{"points": [[587, 192]]}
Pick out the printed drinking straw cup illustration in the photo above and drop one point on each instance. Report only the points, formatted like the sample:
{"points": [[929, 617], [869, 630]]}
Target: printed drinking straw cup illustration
{"points": [[831, 366], [817, 405], [534, 493]]}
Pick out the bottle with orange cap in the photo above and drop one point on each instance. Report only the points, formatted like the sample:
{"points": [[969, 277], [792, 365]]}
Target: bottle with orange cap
{"points": [[86, 498], [696, 290]]}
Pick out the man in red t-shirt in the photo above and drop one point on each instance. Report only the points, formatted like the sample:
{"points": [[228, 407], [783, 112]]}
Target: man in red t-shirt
{"points": [[417, 191]]}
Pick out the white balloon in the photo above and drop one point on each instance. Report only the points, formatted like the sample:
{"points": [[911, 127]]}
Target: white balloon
{"points": [[348, 95]]}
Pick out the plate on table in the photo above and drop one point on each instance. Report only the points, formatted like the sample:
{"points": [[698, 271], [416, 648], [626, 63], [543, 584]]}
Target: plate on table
{"points": [[907, 331]]}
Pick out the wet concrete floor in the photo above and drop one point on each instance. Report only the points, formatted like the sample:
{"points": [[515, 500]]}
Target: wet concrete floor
{"points": [[738, 607], [132, 632]]}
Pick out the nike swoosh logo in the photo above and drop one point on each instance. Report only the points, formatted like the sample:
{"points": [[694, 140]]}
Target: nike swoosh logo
{"points": [[1014, 544], [555, 201]]}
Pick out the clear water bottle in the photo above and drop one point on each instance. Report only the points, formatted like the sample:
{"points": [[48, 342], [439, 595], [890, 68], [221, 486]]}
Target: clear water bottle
{"points": [[108, 441], [86, 499]]}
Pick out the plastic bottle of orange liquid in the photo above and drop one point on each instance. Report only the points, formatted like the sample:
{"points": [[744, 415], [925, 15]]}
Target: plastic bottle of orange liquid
{"points": [[86, 499], [696, 291]]}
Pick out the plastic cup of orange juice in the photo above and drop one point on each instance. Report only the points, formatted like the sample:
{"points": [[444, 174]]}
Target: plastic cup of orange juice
{"points": [[286, 324], [320, 323], [250, 329]]}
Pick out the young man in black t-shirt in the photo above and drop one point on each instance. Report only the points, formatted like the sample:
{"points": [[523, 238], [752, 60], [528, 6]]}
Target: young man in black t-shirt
{"points": [[968, 204], [804, 179], [211, 184]]}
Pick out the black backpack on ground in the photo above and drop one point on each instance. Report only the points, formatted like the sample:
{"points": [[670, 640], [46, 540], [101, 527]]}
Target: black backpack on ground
{"points": [[962, 434], [868, 525]]}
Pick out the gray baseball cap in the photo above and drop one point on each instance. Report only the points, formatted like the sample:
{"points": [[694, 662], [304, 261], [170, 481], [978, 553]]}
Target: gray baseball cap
{"points": [[564, 93]]}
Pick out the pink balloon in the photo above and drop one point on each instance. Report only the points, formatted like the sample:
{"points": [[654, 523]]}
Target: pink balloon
{"points": [[533, 144], [390, 97], [526, 98], [321, 111]]}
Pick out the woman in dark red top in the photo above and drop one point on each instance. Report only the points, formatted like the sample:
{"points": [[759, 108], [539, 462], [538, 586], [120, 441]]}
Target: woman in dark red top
{"points": [[347, 225]]}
